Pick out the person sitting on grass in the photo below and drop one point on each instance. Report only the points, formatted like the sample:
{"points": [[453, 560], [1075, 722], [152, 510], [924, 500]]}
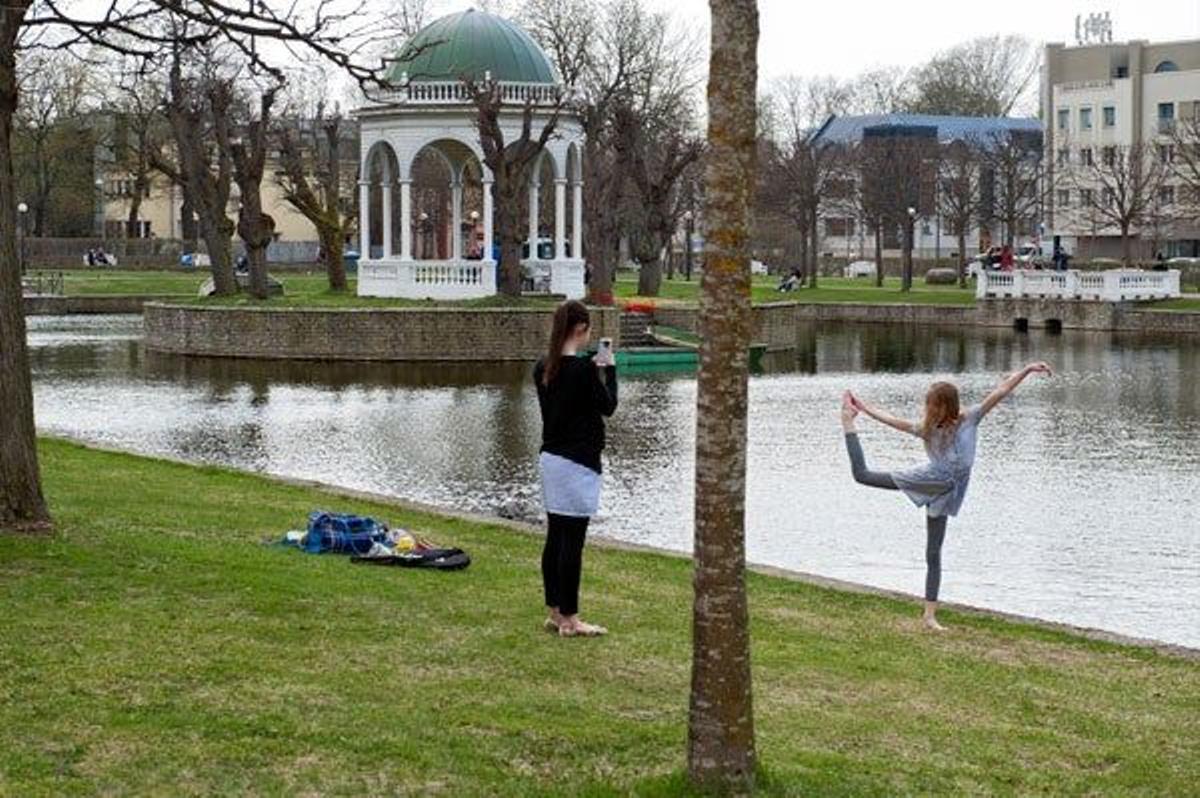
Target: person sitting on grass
{"points": [[941, 485]]}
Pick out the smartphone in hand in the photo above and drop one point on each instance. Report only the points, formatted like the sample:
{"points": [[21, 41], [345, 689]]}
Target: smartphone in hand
{"points": [[604, 355]]}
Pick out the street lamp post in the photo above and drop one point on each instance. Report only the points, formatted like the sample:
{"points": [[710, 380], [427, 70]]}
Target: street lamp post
{"points": [[23, 213], [100, 208], [908, 248], [689, 219]]}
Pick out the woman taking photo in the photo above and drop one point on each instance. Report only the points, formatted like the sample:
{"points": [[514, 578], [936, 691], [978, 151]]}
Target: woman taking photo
{"points": [[940, 486], [575, 394]]}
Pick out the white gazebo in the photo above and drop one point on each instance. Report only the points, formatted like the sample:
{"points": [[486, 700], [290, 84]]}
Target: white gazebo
{"points": [[442, 252]]}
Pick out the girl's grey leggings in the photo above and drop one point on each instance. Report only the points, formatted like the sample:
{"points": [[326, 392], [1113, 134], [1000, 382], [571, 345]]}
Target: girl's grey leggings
{"points": [[935, 526]]}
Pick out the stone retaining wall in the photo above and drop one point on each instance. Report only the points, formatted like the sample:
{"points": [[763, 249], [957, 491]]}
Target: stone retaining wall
{"points": [[774, 323], [1107, 316], [68, 305], [464, 334]]}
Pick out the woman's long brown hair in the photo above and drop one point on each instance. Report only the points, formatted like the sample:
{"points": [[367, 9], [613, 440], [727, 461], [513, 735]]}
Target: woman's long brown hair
{"points": [[941, 409], [567, 317]]}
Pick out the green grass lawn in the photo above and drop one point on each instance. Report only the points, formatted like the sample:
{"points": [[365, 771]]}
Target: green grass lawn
{"points": [[153, 646], [1191, 303], [829, 289]]}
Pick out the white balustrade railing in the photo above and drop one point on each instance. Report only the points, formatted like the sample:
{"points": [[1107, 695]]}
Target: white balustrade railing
{"points": [[456, 279], [456, 92], [1118, 285], [414, 279]]}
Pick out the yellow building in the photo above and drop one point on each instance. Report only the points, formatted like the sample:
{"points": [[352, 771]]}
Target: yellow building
{"points": [[159, 215]]}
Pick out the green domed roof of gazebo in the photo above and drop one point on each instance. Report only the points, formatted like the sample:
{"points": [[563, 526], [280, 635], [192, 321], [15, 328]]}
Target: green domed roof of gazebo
{"points": [[470, 44]]}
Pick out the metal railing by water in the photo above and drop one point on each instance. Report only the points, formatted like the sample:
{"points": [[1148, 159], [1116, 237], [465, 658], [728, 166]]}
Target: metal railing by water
{"points": [[1117, 285]]}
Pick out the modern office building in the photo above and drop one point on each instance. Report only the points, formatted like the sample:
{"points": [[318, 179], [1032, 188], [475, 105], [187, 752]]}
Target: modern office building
{"points": [[1117, 95]]}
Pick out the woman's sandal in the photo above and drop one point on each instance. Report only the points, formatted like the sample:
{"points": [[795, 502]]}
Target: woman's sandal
{"points": [[582, 629], [551, 626]]}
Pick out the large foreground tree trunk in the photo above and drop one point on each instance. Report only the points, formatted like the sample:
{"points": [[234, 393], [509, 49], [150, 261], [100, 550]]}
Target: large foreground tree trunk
{"points": [[721, 752], [21, 501]]}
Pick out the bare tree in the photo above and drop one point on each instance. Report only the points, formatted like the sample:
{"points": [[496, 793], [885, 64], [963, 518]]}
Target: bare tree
{"points": [[885, 90], [656, 156], [139, 136], [987, 76], [721, 753], [511, 164], [1014, 159], [56, 87], [135, 28], [255, 227], [199, 108], [1118, 188], [1185, 163], [958, 197], [313, 186]]}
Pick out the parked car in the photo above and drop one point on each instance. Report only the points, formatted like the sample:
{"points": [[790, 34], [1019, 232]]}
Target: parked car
{"points": [[1030, 256], [984, 260], [860, 268], [195, 260], [758, 267]]}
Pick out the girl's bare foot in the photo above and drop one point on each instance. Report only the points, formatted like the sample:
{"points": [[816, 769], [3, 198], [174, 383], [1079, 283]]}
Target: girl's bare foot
{"points": [[849, 412], [931, 623]]}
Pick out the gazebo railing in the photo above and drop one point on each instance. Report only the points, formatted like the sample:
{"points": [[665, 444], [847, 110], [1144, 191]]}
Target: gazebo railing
{"points": [[443, 92], [1117, 285]]}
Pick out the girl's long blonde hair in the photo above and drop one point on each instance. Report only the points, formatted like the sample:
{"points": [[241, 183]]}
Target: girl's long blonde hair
{"points": [[941, 410]]}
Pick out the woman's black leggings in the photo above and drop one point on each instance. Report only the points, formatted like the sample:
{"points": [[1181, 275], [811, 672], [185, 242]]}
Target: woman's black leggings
{"points": [[935, 525], [562, 561]]}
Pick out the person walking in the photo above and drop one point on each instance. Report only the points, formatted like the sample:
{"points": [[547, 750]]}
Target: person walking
{"points": [[940, 486], [575, 394]]}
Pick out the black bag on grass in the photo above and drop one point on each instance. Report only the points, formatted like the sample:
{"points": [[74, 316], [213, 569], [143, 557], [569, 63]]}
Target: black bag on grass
{"points": [[438, 559]]}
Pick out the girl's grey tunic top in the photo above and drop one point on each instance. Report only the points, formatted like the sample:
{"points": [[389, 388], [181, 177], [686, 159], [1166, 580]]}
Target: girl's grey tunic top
{"points": [[941, 485]]}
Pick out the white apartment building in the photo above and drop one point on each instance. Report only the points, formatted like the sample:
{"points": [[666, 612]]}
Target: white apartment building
{"points": [[1115, 95]]}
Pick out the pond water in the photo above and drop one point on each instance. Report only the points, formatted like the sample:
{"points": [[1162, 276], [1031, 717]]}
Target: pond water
{"points": [[1084, 506]]}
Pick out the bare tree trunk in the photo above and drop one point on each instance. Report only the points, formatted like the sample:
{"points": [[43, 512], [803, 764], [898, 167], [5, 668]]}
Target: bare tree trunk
{"points": [[649, 277], [1126, 245], [816, 247], [333, 246], [907, 266], [721, 752], [21, 502], [804, 242], [962, 257], [879, 255]]}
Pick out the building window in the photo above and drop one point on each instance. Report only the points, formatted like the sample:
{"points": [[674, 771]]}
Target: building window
{"points": [[1064, 156], [1087, 197], [1064, 198], [1085, 156], [839, 227], [1166, 66], [926, 228], [1166, 153], [1108, 156], [1064, 118], [1108, 197], [1166, 195], [1110, 116], [1085, 118], [1166, 117]]}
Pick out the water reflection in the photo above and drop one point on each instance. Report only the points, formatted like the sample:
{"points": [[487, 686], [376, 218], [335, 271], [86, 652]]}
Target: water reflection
{"points": [[1085, 506]]}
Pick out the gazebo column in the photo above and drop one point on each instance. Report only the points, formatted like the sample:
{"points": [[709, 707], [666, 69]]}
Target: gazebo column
{"points": [[456, 195], [533, 220], [487, 218], [405, 219], [577, 220], [387, 219], [364, 219], [560, 219]]}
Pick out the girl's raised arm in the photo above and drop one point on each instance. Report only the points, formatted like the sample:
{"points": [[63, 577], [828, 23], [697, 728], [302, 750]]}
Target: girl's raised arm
{"points": [[1009, 384], [884, 417]]}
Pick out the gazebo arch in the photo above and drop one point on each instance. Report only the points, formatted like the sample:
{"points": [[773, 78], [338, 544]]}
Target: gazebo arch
{"points": [[428, 107]]}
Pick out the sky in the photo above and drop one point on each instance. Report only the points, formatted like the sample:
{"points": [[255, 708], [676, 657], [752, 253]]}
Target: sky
{"points": [[820, 37]]}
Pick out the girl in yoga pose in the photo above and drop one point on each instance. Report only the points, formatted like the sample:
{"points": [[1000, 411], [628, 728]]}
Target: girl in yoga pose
{"points": [[940, 486]]}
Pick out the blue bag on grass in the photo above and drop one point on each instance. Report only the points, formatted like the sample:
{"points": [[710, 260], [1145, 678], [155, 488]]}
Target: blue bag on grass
{"points": [[340, 533]]}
